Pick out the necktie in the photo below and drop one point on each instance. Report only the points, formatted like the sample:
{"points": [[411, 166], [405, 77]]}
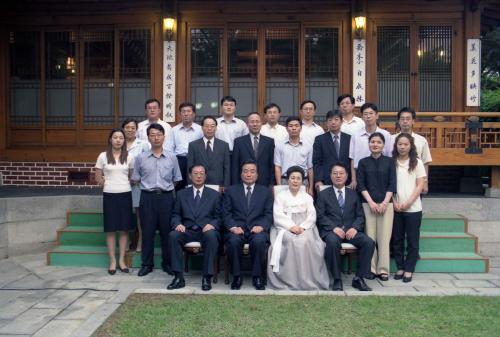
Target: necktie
{"points": [[255, 145], [336, 145], [197, 199], [341, 201], [249, 195], [209, 148]]}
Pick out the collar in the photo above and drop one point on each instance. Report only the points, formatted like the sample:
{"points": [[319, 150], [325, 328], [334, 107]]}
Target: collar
{"points": [[150, 153], [222, 120], [251, 187], [339, 189], [288, 141], [199, 189], [182, 127], [335, 134], [205, 139]]}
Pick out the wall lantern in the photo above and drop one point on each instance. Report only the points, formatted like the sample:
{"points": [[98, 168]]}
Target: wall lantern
{"points": [[168, 25], [360, 25]]}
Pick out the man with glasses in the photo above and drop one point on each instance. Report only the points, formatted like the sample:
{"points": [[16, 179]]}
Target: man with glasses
{"points": [[153, 114]]}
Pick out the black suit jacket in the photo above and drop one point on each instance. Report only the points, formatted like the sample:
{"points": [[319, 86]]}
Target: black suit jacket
{"points": [[329, 215], [237, 214], [208, 212], [243, 150], [324, 156], [217, 165]]}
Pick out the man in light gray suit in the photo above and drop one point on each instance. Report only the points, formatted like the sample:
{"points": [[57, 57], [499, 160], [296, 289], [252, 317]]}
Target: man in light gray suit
{"points": [[212, 153]]}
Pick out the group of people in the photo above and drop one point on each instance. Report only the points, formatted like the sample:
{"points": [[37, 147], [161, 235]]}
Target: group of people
{"points": [[293, 194]]}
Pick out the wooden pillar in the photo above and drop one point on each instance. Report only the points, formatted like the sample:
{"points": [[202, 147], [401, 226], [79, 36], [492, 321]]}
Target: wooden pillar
{"points": [[3, 92], [472, 31], [495, 177]]}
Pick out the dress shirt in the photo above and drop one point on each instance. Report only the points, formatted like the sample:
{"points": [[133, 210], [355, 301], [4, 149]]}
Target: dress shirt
{"points": [[407, 182], [180, 137], [377, 176], [337, 190], [116, 176], [156, 173], [360, 149], [287, 155], [229, 131], [353, 126], [251, 188], [205, 140], [422, 147], [309, 132], [198, 189], [142, 130], [277, 132], [138, 146]]}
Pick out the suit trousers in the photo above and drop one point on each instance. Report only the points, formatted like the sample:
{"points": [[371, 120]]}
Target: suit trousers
{"points": [[406, 224], [155, 213], [379, 228], [209, 243], [258, 247], [182, 160], [365, 246]]}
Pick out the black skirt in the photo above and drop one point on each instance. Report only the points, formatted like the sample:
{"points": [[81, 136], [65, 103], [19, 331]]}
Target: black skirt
{"points": [[117, 209]]}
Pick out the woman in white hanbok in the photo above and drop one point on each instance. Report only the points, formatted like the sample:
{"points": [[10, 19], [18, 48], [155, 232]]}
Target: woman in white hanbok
{"points": [[296, 256]]}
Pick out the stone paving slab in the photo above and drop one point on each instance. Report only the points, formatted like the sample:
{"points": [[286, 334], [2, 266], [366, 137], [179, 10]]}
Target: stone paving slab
{"points": [[34, 282], [488, 291], [59, 328], [474, 276], [60, 299], [30, 321], [473, 284], [91, 285], [82, 308], [88, 327], [11, 272], [443, 291], [22, 303]]}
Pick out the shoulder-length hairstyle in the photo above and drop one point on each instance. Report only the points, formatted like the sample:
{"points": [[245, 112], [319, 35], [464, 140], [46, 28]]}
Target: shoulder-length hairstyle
{"points": [[109, 149], [412, 154]]}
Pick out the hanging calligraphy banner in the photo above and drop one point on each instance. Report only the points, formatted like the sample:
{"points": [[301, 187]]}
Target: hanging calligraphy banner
{"points": [[473, 72], [169, 81], [358, 69]]}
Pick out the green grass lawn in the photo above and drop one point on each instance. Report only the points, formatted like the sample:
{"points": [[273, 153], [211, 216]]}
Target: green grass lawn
{"points": [[149, 315]]}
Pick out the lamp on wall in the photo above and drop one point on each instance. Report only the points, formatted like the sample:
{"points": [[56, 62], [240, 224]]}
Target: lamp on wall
{"points": [[168, 26], [360, 25]]}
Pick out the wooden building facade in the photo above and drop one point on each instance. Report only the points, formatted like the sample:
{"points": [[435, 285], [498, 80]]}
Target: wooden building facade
{"points": [[72, 70]]}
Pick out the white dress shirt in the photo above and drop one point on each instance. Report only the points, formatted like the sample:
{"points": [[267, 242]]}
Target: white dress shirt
{"points": [[229, 131], [309, 132], [142, 131], [180, 137], [277, 132]]}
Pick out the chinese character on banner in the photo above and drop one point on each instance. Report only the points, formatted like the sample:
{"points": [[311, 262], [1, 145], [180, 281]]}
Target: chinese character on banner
{"points": [[358, 68], [169, 81], [473, 68]]}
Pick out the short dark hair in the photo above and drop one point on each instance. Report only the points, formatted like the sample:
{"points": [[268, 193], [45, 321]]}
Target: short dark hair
{"points": [[293, 169], [156, 126], [253, 113], [272, 105], [208, 117], [307, 101], [187, 104], [292, 119], [247, 162], [152, 100], [377, 134], [228, 99], [197, 165], [339, 164], [407, 109], [343, 96], [368, 105], [333, 113], [129, 120]]}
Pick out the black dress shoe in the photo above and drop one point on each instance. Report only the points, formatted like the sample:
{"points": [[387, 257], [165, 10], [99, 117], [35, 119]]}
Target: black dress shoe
{"points": [[111, 271], [177, 283], [236, 284], [383, 277], [258, 283], [360, 284], [407, 279], [123, 270], [337, 285], [398, 276], [145, 270], [206, 283], [370, 276]]}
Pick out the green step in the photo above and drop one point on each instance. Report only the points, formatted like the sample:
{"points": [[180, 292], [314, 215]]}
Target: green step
{"points": [[87, 236], [85, 217], [443, 224], [447, 242]]}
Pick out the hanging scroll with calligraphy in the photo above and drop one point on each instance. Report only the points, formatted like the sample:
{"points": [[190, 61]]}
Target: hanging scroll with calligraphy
{"points": [[473, 72], [169, 81], [359, 68]]}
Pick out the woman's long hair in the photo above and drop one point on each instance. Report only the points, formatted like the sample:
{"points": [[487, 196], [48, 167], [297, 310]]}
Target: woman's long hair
{"points": [[109, 149], [412, 154]]}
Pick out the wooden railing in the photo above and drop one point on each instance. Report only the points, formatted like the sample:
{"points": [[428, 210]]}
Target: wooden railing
{"points": [[456, 138]]}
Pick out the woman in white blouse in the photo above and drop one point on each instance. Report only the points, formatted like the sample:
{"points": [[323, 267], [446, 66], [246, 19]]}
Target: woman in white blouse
{"points": [[113, 172], [135, 146], [410, 173], [296, 257]]}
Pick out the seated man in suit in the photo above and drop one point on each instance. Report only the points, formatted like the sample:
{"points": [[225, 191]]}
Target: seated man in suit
{"points": [[330, 148], [340, 218], [256, 147], [196, 217], [248, 215], [212, 153]]}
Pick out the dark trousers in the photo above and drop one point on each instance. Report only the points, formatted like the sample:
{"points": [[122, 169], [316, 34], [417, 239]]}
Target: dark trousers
{"points": [[365, 245], [406, 225], [182, 160], [209, 243], [155, 213], [258, 246]]}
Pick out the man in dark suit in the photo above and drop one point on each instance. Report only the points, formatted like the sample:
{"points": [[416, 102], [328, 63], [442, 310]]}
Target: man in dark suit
{"points": [[256, 147], [212, 153], [196, 217], [330, 148], [340, 218], [248, 216]]}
